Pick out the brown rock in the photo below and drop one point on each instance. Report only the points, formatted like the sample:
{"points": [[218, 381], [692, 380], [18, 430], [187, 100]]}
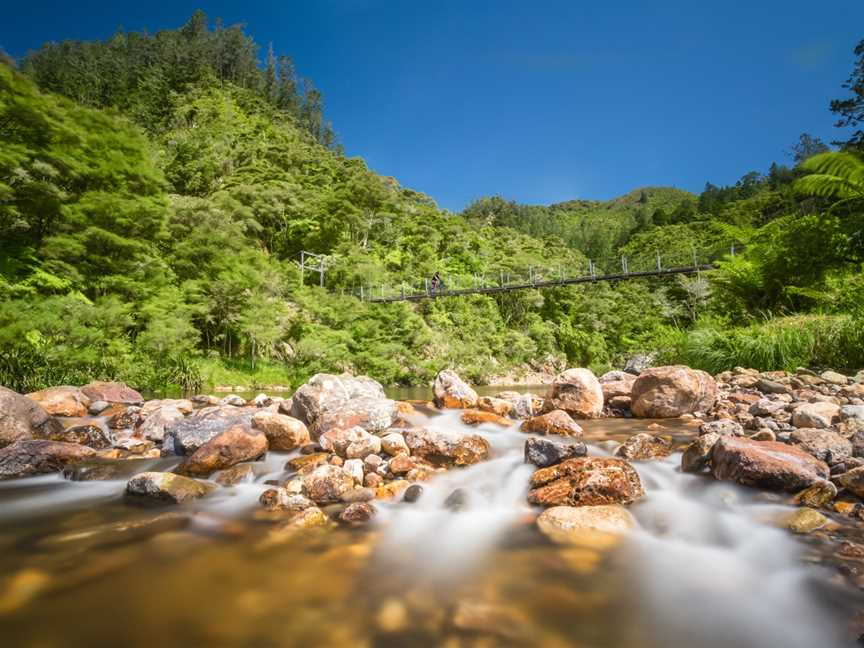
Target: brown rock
{"points": [[401, 464], [38, 456], [370, 414], [670, 392], [853, 481], [284, 433], [617, 384], [577, 392], [453, 392], [595, 526], [325, 392], [327, 484], [819, 495], [165, 487], [309, 461], [586, 481], [765, 464], [643, 447], [235, 475], [815, 415], [112, 392], [498, 406], [722, 427], [557, 422], [22, 418], [358, 513], [698, 454], [157, 421], [826, 445], [61, 401], [235, 445], [446, 448], [477, 417], [87, 434]]}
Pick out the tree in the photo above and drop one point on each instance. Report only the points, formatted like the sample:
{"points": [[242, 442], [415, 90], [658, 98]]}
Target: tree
{"points": [[270, 89], [806, 147], [838, 175], [850, 111]]}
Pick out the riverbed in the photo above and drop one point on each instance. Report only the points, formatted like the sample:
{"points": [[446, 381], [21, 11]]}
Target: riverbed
{"points": [[708, 564]]}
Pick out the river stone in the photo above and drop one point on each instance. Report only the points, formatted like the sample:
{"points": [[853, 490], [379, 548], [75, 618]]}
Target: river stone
{"points": [[586, 481], [853, 481], [165, 487], [478, 417], [279, 499], [401, 464], [768, 386], [499, 406], [327, 484], [557, 422], [834, 378], [670, 392], [638, 363], [577, 392], [452, 392], [446, 448], [849, 412], [819, 495], [310, 518], [457, 500], [544, 452], [62, 401], [182, 405], [358, 513], [394, 444], [815, 415], [721, 427], [124, 418], [765, 464], [616, 384], [371, 414], [595, 526], [354, 467], [805, 520], [826, 445], [284, 433], [525, 405], [235, 475], [112, 392], [324, 392], [105, 470], [154, 425], [353, 443], [643, 447], [38, 456], [412, 493], [235, 445], [22, 418], [698, 454], [186, 435], [87, 434], [767, 407]]}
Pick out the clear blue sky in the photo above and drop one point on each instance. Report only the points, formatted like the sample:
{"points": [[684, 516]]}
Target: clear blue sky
{"points": [[536, 101]]}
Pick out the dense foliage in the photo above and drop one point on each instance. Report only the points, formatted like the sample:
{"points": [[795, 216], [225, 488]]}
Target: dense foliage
{"points": [[155, 194]]}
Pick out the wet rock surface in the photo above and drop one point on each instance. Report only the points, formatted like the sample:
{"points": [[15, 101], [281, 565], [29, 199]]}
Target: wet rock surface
{"points": [[557, 422], [163, 487], [237, 444], [765, 464], [643, 447], [544, 452], [452, 392], [62, 401], [587, 481], [38, 456], [22, 418]]}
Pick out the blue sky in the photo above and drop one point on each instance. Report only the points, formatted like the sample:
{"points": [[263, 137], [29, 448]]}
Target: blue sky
{"points": [[537, 101]]}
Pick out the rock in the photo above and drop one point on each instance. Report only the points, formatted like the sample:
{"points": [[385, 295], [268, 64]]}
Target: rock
{"points": [[764, 434], [834, 378], [826, 445], [354, 467], [586, 481], [359, 494], [596, 526], [327, 484], [302, 521], [38, 456], [498, 406], [453, 392], [544, 452], [307, 462], [112, 392], [616, 384], [722, 427], [233, 400], [166, 487], [394, 444], [105, 470], [644, 446], [22, 418], [373, 480], [853, 481], [457, 500], [478, 417], [766, 407], [507, 625], [358, 513], [124, 418], [97, 407], [698, 454], [765, 464], [235, 475], [557, 422], [577, 392], [283, 433], [669, 392], [353, 443], [391, 489], [767, 386], [412, 493], [401, 464], [805, 520], [86, 434], [446, 448], [849, 412], [815, 415], [325, 392], [237, 444], [182, 405], [371, 414], [524, 405], [62, 401], [639, 363], [819, 495], [279, 499], [154, 425], [186, 435]]}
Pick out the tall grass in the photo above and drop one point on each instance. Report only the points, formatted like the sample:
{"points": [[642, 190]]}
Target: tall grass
{"points": [[835, 341]]}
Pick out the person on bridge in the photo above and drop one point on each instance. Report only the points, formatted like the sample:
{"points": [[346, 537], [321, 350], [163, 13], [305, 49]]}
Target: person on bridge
{"points": [[436, 282]]}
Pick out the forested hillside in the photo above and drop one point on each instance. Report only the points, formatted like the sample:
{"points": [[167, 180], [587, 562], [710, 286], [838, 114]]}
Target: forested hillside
{"points": [[155, 191]]}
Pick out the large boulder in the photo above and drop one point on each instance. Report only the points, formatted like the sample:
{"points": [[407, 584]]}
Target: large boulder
{"points": [[616, 384], [284, 433], [586, 481], [765, 464], [543, 452], [825, 445], [38, 456], [577, 392], [112, 392], [184, 436], [453, 392], [163, 487], [815, 415], [235, 445], [446, 448], [669, 392], [557, 422], [157, 421], [62, 401], [22, 418], [325, 392], [373, 414], [595, 526]]}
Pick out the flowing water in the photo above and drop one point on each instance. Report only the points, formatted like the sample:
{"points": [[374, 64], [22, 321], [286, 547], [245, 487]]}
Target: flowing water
{"points": [[707, 565]]}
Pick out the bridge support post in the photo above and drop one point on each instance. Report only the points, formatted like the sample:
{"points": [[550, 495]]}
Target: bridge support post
{"points": [[659, 264]]}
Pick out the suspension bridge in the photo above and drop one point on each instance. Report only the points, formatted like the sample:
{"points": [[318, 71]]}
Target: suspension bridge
{"points": [[649, 264]]}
